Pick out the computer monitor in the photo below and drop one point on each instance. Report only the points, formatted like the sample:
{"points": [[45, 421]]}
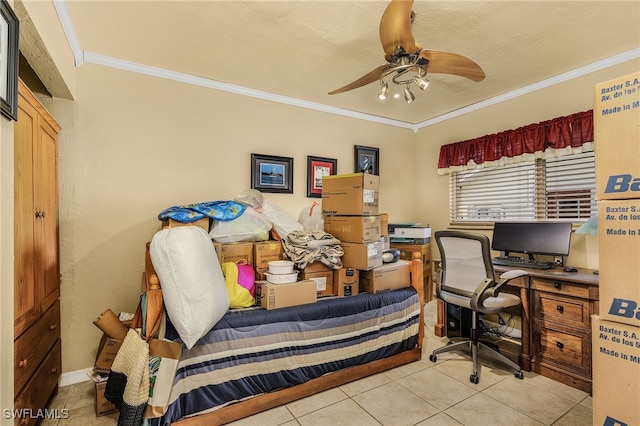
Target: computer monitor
{"points": [[549, 238]]}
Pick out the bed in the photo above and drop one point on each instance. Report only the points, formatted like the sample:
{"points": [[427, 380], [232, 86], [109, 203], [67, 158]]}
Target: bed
{"points": [[255, 359]]}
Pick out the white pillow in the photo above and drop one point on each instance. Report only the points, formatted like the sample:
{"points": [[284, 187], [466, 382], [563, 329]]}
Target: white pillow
{"points": [[193, 287]]}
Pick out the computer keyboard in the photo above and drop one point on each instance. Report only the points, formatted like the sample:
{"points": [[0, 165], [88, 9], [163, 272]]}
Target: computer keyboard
{"points": [[521, 262]]}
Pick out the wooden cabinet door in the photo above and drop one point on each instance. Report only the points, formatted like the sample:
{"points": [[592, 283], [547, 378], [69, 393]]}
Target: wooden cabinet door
{"points": [[46, 223], [26, 303]]}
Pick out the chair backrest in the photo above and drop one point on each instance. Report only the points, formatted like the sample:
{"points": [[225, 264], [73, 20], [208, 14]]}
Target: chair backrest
{"points": [[466, 261]]}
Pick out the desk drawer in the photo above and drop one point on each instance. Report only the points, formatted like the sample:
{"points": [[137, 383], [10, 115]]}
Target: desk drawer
{"points": [[566, 310], [570, 348], [560, 287]]}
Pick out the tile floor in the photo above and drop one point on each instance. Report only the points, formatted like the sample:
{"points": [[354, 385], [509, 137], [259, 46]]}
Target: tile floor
{"points": [[421, 393]]}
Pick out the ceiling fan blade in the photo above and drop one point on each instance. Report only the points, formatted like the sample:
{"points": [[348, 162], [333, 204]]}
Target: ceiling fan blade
{"points": [[452, 63], [395, 28], [368, 78]]}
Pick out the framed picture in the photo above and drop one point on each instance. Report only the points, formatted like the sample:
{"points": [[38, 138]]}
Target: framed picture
{"points": [[316, 168], [9, 32], [367, 160], [270, 173]]}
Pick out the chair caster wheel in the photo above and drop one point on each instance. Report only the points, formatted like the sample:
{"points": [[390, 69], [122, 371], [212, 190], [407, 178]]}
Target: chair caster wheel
{"points": [[474, 379], [519, 375], [433, 358]]}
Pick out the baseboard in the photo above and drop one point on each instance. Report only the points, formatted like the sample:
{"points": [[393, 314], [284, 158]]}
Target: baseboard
{"points": [[74, 377]]}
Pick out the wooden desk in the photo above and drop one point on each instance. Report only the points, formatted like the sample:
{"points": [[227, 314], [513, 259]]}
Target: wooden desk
{"points": [[556, 322]]}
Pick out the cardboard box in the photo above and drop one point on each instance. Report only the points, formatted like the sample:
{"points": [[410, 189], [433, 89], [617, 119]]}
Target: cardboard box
{"points": [[616, 122], [619, 257], [232, 252], [103, 406], [315, 267], [323, 280], [274, 296], [202, 223], [346, 282], [265, 252], [390, 276], [107, 350], [362, 256], [350, 194], [616, 373], [384, 224], [353, 229]]}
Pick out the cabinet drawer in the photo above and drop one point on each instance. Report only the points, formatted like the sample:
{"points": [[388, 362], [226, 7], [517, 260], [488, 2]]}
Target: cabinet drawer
{"points": [[39, 388], [560, 287], [567, 348], [32, 346], [548, 306]]}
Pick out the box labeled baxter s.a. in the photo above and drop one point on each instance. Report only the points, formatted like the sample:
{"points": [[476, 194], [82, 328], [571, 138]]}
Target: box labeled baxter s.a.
{"points": [[616, 373], [619, 259], [350, 194], [616, 123]]}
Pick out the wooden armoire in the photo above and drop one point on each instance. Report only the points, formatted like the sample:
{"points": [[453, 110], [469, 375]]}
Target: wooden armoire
{"points": [[37, 356]]}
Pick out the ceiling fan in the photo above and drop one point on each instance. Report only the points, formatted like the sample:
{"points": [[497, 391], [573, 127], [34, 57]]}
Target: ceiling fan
{"points": [[407, 62]]}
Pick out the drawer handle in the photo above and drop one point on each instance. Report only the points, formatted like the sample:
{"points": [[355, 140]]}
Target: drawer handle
{"points": [[560, 345], [54, 370], [52, 327], [560, 309], [558, 286], [23, 363]]}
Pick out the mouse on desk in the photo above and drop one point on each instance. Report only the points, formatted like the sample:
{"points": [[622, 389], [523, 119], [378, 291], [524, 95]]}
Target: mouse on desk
{"points": [[569, 269]]}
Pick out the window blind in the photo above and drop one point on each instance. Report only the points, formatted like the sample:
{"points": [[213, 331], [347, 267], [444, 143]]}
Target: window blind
{"points": [[544, 189]]}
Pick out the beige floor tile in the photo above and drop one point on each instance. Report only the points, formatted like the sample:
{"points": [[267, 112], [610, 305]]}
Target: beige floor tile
{"points": [[314, 402], [579, 415], [273, 417], [364, 384], [440, 419], [345, 412], [405, 370], [436, 388], [558, 388], [86, 415], [392, 404], [546, 407], [461, 370], [481, 410], [587, 402]]}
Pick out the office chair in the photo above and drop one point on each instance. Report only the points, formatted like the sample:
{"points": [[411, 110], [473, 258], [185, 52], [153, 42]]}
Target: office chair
{"points": [[467, 279]]}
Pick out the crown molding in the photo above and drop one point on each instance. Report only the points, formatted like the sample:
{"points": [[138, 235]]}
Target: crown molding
{"points": [[81, 57]]}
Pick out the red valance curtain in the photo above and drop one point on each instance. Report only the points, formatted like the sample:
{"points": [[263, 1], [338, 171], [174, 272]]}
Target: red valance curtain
{"points": [[556, 137]]}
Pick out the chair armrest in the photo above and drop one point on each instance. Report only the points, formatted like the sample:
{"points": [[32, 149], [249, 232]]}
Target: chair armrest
{"points": [[505, 278]]}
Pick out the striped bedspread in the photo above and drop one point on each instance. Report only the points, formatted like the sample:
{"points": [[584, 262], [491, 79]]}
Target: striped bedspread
{"points": [[250, 352]]}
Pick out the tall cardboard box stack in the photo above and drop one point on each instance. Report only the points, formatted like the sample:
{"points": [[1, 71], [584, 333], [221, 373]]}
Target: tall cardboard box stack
{"points": [[616, 330], [350, 213]]}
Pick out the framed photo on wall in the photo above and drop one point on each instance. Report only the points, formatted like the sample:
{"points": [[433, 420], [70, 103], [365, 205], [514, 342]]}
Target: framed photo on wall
{"points": [[367, 160], [9, 33], [270, 173], [316, 168]]}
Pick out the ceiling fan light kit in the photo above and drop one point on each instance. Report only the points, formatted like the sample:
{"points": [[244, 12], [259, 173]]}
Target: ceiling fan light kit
{"points": [[406, 59]]}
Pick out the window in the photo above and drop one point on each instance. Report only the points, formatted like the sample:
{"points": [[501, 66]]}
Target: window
{"points": [[554, 188]]}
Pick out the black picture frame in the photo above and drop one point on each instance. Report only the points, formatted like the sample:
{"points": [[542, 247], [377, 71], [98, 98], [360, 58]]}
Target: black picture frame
{"points": [[367, 160], [271, 173], [9, 34], [316, 168]]}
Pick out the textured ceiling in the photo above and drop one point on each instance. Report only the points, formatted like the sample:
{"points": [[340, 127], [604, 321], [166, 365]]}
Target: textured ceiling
{"points": [[304, 49]]}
